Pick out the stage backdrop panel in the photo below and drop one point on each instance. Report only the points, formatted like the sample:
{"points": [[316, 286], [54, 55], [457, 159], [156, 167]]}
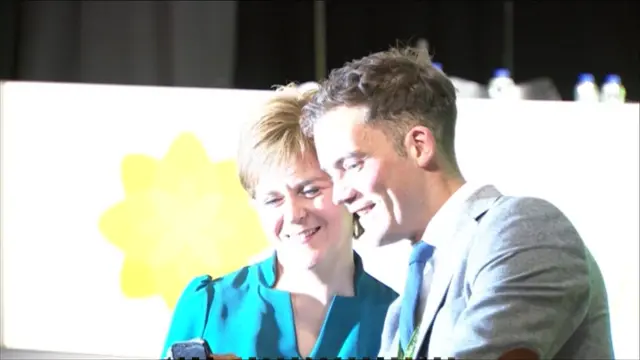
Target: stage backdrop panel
{"points": [[113, 197]]}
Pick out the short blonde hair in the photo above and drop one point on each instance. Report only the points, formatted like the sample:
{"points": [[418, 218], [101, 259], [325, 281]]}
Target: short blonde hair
{"points": [[275, 138]]}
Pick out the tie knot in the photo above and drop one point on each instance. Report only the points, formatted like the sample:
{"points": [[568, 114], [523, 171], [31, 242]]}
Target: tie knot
{"points": [[421, 252]]}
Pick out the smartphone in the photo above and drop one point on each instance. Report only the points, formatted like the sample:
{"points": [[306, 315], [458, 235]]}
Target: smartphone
{"points": [[192, 349]]}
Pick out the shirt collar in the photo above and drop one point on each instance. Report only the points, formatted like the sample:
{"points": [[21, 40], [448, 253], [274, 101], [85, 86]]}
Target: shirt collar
{"points": [[447, 216]]}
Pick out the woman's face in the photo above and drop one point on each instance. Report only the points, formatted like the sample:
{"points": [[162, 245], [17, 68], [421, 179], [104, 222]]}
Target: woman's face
{"points": [[295, 208]]}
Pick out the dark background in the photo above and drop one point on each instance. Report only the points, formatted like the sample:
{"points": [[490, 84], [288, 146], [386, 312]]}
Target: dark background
{"points": [[256, 44]]}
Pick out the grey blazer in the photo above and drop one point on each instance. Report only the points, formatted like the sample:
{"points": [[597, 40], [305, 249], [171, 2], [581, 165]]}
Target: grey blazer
{"points": [[517, 276]]}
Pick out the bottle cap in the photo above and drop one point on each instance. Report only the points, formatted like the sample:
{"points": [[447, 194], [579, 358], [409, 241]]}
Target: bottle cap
{"points": [[612, 78], [586, 77], [437, 65], [501, 73]]}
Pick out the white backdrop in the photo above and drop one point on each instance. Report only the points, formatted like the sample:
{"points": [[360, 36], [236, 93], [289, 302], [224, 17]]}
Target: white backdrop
{"points": [[62, 154]]}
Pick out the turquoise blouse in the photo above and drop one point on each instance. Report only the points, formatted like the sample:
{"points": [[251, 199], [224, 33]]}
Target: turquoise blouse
{"points": [[248, 318]]}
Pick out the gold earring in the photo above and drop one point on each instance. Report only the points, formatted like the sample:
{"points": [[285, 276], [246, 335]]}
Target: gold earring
{"points": [[358, 230]]}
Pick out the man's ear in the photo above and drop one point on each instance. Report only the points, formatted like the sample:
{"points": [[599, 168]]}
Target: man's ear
{"points": [[420, 145]]}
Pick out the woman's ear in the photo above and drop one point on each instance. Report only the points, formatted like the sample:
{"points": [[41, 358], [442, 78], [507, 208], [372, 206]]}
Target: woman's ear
{"points": [[358, 230]]}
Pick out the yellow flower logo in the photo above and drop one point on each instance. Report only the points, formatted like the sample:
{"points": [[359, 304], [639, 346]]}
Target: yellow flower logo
{"points": [[182, 216]]}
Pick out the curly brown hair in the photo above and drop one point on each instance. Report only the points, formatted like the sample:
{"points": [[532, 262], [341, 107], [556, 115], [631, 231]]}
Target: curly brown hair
{"points": [[401, 89]]}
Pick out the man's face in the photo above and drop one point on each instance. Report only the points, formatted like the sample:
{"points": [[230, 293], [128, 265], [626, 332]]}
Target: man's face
{"points": [[368, 174]]}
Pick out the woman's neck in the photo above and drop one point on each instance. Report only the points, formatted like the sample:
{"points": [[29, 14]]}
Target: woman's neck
{"points": [[331, 276]]}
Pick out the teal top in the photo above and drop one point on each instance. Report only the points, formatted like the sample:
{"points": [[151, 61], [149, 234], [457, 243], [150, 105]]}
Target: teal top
{"points": [[248, 318]]}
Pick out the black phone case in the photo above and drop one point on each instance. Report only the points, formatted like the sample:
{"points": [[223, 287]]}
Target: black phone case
{"points": [[192, 349]]}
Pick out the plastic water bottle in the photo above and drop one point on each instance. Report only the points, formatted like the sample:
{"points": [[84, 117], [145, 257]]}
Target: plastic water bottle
{"points": [[612, 90], [502, 86], [586, 89]]}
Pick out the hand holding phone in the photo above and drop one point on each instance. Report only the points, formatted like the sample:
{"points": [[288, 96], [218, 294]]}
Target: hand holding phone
{"points": [[196, 349]]}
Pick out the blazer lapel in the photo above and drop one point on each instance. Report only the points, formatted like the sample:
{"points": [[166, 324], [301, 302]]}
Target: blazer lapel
{"points": [[449, 259], [447, 262]]}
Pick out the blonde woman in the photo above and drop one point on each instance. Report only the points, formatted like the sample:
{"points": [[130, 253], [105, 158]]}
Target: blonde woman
{"points": [[312, 298]]}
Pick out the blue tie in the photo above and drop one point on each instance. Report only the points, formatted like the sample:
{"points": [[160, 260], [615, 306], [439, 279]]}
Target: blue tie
{"points": [[420, 254]]}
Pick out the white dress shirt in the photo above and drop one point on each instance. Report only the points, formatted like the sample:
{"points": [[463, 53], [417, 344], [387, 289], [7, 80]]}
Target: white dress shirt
{"points": [[444, 218]]}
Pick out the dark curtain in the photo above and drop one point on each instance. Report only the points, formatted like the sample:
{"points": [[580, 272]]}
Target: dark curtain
{"points": [[555, 39], [561, 39], [275, 39], [466, 37], [172, 43], [8, 38], [258, 44], [275, 43]]}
